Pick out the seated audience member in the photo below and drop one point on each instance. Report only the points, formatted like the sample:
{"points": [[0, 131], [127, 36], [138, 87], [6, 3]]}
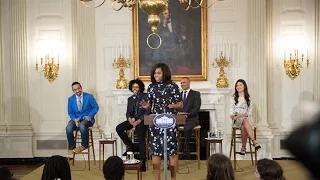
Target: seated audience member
{"points": [[191, 106], [135, 116], [56, 168], [5, 174], [269, 170], [219, 168], [113, 168]]}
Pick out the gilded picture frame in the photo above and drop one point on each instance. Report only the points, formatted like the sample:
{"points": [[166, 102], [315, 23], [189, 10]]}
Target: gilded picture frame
{"points": [[191, 62]]}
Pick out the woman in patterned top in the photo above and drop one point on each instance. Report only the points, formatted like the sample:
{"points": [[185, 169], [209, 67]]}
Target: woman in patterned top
{"points": [[241, 114], [163, 97]]}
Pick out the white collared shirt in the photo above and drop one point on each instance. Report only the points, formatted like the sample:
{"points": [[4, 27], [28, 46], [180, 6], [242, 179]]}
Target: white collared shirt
{"points": [[187, 92], [81, 99], [169, 25]]}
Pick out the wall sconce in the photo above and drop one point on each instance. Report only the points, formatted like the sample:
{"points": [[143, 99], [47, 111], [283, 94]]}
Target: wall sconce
{"points": [[294, 64], [121, 62], [222, 62], [48, 66]]}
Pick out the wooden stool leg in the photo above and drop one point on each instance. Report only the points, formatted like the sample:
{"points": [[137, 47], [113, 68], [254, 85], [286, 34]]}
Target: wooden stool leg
{"points": [[89, 149], [251, 152], [234, 148], [255, 137], [94, 155], [198, 147], [231, 146], [75, 142]]}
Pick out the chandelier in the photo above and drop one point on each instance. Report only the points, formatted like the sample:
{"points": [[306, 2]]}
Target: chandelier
{"points": [[153, 8]]}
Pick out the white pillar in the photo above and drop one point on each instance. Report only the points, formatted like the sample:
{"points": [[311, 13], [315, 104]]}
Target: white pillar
{"points": [[316, 83], [270, 66], [84, 48], [257, 61], [20, 121], [2, 122]]}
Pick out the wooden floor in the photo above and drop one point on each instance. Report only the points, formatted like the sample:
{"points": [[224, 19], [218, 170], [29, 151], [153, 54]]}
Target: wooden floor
{"points": [[187, 170]]}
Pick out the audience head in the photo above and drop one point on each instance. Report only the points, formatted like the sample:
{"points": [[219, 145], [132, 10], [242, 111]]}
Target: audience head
{"points": [[160, 73], [56, 167], [185, 83], [5, 174], [113, 168], [268, 170], [77, 88], [241, 87], [136, 86], [219, 168]]}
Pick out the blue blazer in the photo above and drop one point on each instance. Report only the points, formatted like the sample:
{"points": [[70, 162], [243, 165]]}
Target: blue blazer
{"points": [[89, 107], [141, 111]]}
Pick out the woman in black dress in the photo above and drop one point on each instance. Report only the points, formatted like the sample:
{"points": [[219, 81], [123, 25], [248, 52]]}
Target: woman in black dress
{"points": [[163, 97]]}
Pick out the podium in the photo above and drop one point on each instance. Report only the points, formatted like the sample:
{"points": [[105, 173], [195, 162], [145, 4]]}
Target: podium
{"points": [[164, 121], [180, 119]]}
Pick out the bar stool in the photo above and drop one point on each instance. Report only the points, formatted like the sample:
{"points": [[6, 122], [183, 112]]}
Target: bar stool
{"points": [[90, 144], [236, 136], [196, 136], [133, 137]]}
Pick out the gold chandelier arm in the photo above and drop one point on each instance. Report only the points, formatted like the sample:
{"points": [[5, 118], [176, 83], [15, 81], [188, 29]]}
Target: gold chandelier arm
{"points": [[199, 4], [160, 41], [115, 8], [93, 2]]}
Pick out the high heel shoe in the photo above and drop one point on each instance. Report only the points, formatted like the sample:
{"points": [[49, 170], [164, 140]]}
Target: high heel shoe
{"points": [[243, 151], [256, 146]]}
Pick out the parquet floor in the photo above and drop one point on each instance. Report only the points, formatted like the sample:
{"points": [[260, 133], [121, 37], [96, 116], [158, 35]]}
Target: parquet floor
{"points": [[187, 170]]}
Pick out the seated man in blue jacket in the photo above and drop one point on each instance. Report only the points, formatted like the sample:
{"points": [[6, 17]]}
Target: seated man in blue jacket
{"points": [[135, 116], [82, 107]]}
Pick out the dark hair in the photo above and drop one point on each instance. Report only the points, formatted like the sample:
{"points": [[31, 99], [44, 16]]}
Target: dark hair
{"points": [[246, 94], [166, 73], [269, 170], [113, 168], [75, 83], [5, 173], [56, 167], [136, 81], [219, 168]]}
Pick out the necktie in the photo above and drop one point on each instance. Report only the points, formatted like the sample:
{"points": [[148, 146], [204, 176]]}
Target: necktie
{"points": [[184, 95], [80, 105]]}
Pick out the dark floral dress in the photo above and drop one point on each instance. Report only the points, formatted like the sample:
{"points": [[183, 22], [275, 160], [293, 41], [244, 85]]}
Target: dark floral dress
{"points": [[160, 95]]}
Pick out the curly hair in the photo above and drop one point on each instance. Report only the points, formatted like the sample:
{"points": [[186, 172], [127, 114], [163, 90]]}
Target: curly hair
{"points": [[269, 170], [219, 168], [56, 167], [113, 168], [246, 93], [137, 81]]}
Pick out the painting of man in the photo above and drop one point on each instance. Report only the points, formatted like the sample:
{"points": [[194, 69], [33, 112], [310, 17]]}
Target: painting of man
{"points": [[182, 42]]}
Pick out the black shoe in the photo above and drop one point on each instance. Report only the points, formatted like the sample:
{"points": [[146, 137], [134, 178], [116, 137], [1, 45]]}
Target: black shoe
{"points": [[143, 166]]}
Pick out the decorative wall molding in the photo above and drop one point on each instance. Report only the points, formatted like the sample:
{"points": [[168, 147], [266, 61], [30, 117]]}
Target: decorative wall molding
{"points": [[316, 64], [225, 27], [120, 30], [292, 6], [2, 120], [47, 33], [49, 9]]}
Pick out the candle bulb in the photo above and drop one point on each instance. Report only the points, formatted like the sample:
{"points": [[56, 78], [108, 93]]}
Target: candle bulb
{"points": [[58, 58], [284, 56], [36, 59]]}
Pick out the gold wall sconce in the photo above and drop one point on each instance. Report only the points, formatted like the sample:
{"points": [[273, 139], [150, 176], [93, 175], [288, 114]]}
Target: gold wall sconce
{"points": [[221, 62], [48, 66], [120, 62], [293, 65]]}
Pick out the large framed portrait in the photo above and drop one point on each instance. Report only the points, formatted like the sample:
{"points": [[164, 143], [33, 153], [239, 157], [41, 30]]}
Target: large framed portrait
{"points": [[184, 43]]}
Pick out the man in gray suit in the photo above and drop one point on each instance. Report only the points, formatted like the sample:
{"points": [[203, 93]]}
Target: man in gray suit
{"points": [[191, 106]]}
